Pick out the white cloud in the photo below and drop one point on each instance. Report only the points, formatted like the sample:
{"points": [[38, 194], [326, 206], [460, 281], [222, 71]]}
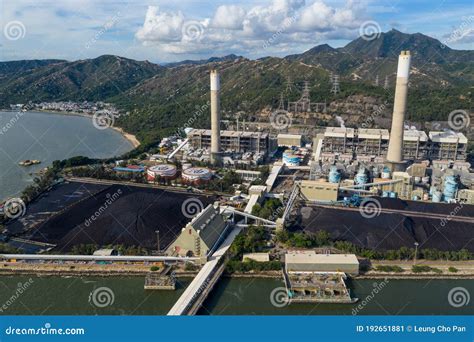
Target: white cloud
{"points": [[229, 17], [280, 25]]}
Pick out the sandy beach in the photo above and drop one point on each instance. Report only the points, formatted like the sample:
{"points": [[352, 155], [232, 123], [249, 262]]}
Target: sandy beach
{"points": [[130, 137]]}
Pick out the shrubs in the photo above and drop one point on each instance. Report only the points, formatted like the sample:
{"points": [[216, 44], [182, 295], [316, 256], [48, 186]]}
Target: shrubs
{"points": [[425, 269], [389, 268], [453, 269], [252, 265], [154, 268]]}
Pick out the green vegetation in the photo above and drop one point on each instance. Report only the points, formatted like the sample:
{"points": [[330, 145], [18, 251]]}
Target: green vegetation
{"points": [[323, 239], [425, 269], [89, 249], [4, 248], [154, 268], [272, 208], [389, 268], [252, 265], [303, 240], [249, 241], [452, 269]]}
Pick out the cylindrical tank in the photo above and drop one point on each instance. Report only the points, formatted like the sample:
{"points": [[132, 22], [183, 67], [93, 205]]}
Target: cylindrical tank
{"points": [[386, 173], [416, 198], [290, 158], [334, 175], [393, 194], [361, 177], [196, 175], [385, 194], [450, 188], [437, 196], [167, 171]]}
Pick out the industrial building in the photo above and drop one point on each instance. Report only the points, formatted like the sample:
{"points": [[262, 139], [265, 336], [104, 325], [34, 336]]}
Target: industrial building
{"points": [[309, 261], [448, 146], [231, 141], [200, 236], [319, 191], [371, 145], [289, 140]]}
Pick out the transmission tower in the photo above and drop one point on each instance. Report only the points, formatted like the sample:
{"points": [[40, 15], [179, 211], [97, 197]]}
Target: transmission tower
{"points": [[377, 80], [385, 84], [335, 84]]}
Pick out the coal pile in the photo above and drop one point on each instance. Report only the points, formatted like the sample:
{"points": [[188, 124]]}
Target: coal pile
{"points": [[120, 215], [59, 198], [390, 231]]}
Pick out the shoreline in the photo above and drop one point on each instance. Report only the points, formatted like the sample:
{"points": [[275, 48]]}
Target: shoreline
{"points": [[141, 271], [132, 139]]}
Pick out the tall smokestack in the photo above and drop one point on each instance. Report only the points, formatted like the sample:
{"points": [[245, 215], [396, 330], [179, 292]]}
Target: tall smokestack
{"points": [[215, 118], [395, 147]]}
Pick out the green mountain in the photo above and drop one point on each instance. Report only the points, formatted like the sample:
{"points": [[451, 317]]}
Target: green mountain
{"points": [[93, 79], [164, 98]]}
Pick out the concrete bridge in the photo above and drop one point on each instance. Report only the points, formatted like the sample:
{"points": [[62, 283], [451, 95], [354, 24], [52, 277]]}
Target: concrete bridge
{"points": [[197, 292]]}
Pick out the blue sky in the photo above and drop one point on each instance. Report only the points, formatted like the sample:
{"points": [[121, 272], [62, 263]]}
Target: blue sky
{"points": [[167, 31]]}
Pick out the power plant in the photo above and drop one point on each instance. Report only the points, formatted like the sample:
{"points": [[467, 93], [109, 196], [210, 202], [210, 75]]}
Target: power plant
{"points": [[395, 147], [215, 118]]}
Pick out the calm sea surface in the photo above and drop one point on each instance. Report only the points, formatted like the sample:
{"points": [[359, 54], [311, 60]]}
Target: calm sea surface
{"points": [[48, 137], [232, 296]]}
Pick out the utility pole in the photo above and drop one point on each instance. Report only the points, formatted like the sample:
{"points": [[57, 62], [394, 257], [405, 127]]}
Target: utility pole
{"points": [[416, 252]]}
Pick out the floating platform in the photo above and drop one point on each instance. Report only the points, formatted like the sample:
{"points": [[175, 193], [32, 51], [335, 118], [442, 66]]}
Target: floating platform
{"points": [[159, 282]]}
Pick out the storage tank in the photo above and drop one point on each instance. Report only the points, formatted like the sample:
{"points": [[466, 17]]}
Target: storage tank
{"points": [[290, 158], [167, 171], [450, 188], [334, 175], [361, 177], [437, 196], [386, 173], [385, 194], [393, 194], [196, 175]]}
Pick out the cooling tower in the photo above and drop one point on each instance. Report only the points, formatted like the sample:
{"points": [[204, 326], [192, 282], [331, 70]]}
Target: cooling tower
{"points": [[395, 147], [215, 118]]}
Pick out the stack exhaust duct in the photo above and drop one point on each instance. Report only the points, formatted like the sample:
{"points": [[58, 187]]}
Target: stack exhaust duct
{"points": [[395, 147], [215, 118]]}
